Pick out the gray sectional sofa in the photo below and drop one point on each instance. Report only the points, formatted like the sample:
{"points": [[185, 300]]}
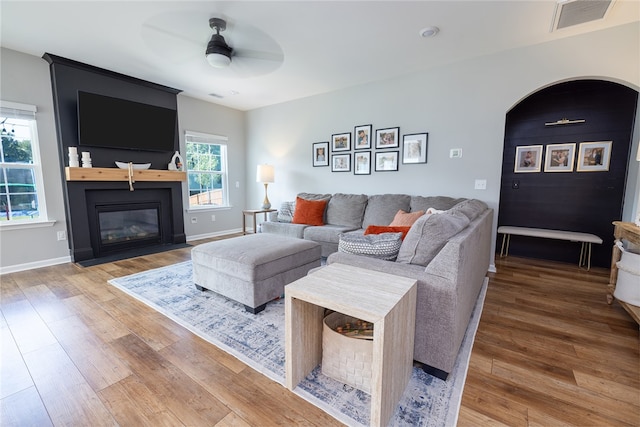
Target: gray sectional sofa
{"points": [[447, 253]]}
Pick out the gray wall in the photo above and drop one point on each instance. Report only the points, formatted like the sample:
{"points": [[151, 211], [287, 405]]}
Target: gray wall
{"points": [[204, 117], [462, 105]]}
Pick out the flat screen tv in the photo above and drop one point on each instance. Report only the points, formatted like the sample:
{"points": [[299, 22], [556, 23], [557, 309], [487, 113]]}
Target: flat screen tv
{"points": [[109, 122]]}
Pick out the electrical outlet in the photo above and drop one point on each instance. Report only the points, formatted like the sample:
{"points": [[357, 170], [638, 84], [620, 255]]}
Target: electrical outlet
{"points": [[455, 153], [213, 217], [481, 184], [62, 235], [194, 220], [237, 184]]}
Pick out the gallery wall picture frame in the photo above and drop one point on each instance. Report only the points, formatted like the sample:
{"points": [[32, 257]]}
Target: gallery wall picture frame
{"points": [[362, 137], [362, 163], [560, 157], [414, 148], [387, 161], [594, 156], [388, 138], [340, 162], [341, 142], [320, 154], [528, 158]]}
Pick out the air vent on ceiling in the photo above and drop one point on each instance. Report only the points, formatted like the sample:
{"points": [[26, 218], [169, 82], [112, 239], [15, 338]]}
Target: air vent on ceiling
{"points": [[216, 95], [574, 12]]}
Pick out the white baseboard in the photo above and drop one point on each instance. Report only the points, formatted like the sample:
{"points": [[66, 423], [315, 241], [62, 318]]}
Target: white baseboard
{"points": [[36, 264], [216, 234]]}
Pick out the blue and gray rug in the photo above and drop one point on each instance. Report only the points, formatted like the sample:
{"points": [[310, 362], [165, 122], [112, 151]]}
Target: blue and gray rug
{"points": [[258, 341]]}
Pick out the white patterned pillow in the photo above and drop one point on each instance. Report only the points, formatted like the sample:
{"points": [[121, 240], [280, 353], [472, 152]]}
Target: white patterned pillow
{"points": [[285, 213], [382, 246]]}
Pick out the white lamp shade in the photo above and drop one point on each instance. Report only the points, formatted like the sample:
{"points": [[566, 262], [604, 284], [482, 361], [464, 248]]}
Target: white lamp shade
{"points": [[265, 173], [218, 60]]}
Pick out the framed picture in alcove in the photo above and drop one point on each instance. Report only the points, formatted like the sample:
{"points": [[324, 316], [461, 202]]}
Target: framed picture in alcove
{"points": [[559, 157], [594, 156], [528, 158]]}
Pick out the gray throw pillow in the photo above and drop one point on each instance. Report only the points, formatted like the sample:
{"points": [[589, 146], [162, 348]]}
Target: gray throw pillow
{"points": [[382, 246], [428, 235], [285, 213]]}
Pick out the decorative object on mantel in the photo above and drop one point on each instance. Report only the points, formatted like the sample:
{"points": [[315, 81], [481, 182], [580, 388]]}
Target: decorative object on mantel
{"points": [[86, 159], [125, 165], [176, 162], [73, 157], [265, 174], [565, 121], [131, 179]]}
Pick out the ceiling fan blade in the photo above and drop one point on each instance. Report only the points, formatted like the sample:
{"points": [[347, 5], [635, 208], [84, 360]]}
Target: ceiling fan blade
{"points": [[260, 55]]}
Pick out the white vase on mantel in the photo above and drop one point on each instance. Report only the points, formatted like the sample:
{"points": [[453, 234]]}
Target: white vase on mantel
{"points": [[176, 162]]}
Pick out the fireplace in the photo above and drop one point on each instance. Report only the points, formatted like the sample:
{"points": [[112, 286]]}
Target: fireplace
{"points": [[122, 227]]}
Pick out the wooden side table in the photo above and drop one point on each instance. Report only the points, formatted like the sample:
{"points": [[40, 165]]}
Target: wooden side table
{"points": [[253, 213], [387, 301], [631, 232]]}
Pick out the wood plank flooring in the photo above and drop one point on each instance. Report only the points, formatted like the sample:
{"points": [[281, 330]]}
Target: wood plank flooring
{"points": [[77, 351]]}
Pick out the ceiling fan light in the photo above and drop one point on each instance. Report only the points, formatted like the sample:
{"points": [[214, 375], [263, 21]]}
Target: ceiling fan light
{"points": [[218, 60]]}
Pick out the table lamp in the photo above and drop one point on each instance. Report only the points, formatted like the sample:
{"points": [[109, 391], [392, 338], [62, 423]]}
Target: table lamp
{"points": [[265, 174]]}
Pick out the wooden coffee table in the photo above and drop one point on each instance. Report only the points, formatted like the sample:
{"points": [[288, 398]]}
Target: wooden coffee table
{"points": [[387, 301]]}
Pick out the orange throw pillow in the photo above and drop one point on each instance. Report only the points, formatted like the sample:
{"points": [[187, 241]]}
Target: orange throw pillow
{"points": [[405, 219], [310, 212], [379, 229]]}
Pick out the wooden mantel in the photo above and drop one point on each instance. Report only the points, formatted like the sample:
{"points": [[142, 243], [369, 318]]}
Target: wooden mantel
{"points": [[117, 174]]}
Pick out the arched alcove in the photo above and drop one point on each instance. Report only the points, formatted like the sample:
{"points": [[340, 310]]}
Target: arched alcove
{"points": [[586, 196]]}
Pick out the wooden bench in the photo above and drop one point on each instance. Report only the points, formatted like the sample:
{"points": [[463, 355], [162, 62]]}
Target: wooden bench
{"points": [[585, 238]]}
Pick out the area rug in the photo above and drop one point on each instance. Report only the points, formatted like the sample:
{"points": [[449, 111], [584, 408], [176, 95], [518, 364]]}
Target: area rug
{"points": [[259, 341]]}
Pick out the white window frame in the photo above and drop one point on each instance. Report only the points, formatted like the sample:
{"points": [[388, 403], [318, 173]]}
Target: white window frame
{"points": [[206, 138], [27, 112]]}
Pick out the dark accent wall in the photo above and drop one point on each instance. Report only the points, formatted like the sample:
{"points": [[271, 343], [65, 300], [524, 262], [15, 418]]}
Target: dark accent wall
{"points": [[576, 201], [67, 78]]}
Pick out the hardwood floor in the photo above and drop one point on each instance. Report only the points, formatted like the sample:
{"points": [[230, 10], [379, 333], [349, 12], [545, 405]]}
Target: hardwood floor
{"points": [[77, 351]]}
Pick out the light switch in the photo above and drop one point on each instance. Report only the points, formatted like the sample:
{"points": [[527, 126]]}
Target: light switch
{"points": [[481, 184]]}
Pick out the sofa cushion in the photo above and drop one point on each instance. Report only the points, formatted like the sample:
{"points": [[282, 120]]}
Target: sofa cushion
{"points": [[379, 229], [309, 212], [382, 246], [328, 233], [285, 213], [314, 196], [346, 209], [405, 219], [428, 235], [382, 208], [470, 208], [421, 203]]}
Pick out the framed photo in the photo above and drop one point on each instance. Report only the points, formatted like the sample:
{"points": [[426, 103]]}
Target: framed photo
{"points": [[321, 154], [362, 163], [362, 135], [559, 157], [341, 142], [528, 158], [388, 138], [594, 156], [414, 148], [340, 162], [387, 161]]}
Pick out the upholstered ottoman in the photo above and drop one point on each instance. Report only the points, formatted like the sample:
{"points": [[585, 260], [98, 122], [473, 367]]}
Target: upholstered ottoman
{"points": [[253, 269]]}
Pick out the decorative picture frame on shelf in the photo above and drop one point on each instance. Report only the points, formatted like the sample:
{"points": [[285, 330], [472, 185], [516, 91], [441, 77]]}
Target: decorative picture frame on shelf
{"points": [[340, 162], [341, 142], [387, 161], [362, 135], [388, 138], [594, 156], [320, 154], [414, 148], [559, 157], [362, 163], [528, 158]]}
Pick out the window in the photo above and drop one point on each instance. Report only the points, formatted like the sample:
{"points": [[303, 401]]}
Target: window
{"points": [[21, 185], [207, 170]]}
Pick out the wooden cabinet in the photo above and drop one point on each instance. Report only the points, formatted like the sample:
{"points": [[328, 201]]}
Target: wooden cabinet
{"points": [[623, 231]]}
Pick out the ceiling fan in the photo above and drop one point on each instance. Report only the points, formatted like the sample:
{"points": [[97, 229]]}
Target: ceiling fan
{"points": [[244, 50]]}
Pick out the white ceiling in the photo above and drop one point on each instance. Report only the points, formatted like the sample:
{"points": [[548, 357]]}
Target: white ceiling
{"points": [[327, 45]]}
